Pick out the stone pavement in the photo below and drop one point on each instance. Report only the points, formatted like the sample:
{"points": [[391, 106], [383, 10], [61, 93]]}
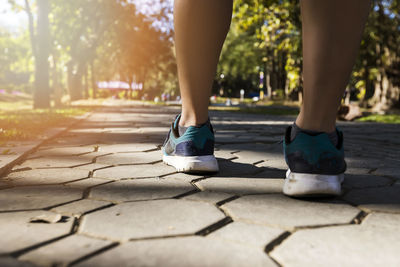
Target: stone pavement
{"points": [[100, 196]]}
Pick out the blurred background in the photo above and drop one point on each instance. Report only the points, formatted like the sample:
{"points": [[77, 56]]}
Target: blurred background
{"points": [[55, 52]]}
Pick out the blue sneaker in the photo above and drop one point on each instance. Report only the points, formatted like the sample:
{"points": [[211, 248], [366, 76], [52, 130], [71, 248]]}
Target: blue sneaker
{"points": [[316, 166], [193, 151]]}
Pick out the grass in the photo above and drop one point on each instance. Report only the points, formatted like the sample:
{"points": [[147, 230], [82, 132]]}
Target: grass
{"points": [[387, 118], [24, 124]]}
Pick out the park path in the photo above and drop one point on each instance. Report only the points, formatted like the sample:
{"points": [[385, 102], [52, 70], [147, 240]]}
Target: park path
{"points": [[99, 195]]}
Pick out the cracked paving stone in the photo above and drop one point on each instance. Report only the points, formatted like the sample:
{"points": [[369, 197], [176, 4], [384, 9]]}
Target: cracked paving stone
{"points": [[207, 196], [281, 211], [130, 158], [139, 147], [79, 207], [21, 233], [141, 189], [364, 181], [11, 262], [46, 176], [64, 251], [350, 245], [241, 185], [54, 162], [183, 251], [134, 171], [156, 218], [386, 199], [248, 234], [37, 197], [64, 151]]}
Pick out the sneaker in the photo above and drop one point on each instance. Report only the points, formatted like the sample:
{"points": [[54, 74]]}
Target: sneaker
{"points": [[316, 166], [193, 151]]}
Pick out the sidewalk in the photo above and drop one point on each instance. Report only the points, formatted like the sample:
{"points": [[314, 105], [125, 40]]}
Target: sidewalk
{"points": [[99, 195]]}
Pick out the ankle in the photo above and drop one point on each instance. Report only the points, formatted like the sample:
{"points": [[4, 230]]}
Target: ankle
{"points": [[192, 120], [323, 125]]}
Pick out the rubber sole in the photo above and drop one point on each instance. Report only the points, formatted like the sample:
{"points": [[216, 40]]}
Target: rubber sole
{"points": [[193, 164], [307, 185]]}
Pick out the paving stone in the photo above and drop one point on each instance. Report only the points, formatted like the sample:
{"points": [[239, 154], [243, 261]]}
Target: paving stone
{"points": [[92, 166], [281, 211], [21, 233], [365, 181], [11, 262], [251, 157], [385, 199], [154, 130], [134, 171], [207, 196], [392, 172], [37, 197], [130, 158], [184, 176], [151, 219], [357, 171], [64, 251], [184, 251], [224, 154], [350, 245], [64, 151], [141, 189], [248, 234], [87, 183], [54, 162], [46, 176], [77, 208], [382, 220], [228, 168], [277, 163], [241, 185]]}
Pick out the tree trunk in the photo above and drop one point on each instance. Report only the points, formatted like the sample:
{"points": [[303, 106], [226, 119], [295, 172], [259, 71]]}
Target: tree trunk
{"points": [[86, 83], [93, 78], [56, 84], [42, 88]]}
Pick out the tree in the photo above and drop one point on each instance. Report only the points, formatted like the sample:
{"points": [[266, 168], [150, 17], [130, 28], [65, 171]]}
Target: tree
{"points": [[42, 89]]}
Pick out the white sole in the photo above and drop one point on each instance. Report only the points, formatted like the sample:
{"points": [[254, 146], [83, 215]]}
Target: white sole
{"points": [[305, 184], [192, 164]]}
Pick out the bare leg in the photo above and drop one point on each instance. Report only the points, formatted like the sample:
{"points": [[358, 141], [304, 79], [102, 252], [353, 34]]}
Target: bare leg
{"points": [[200, 30], [331, 36]]}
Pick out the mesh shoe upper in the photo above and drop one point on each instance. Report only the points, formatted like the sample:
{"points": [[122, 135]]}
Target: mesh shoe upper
{"points": [[314, 154], [196, 141]]}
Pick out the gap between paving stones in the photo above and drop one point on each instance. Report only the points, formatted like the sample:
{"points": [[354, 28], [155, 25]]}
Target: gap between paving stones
{"points": [[359, 218]]}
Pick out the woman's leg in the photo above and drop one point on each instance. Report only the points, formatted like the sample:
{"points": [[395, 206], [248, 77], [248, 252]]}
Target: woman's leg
{"points": [[201, 27], [331, 36]]}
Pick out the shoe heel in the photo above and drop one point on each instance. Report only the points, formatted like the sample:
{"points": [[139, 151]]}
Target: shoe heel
{"points": [[195, 164], [305, 184]]}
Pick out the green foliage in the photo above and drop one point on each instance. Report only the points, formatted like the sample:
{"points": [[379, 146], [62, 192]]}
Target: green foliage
{"points": [[266, 36], [92, 41], [393, 118], [15, 65]]}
